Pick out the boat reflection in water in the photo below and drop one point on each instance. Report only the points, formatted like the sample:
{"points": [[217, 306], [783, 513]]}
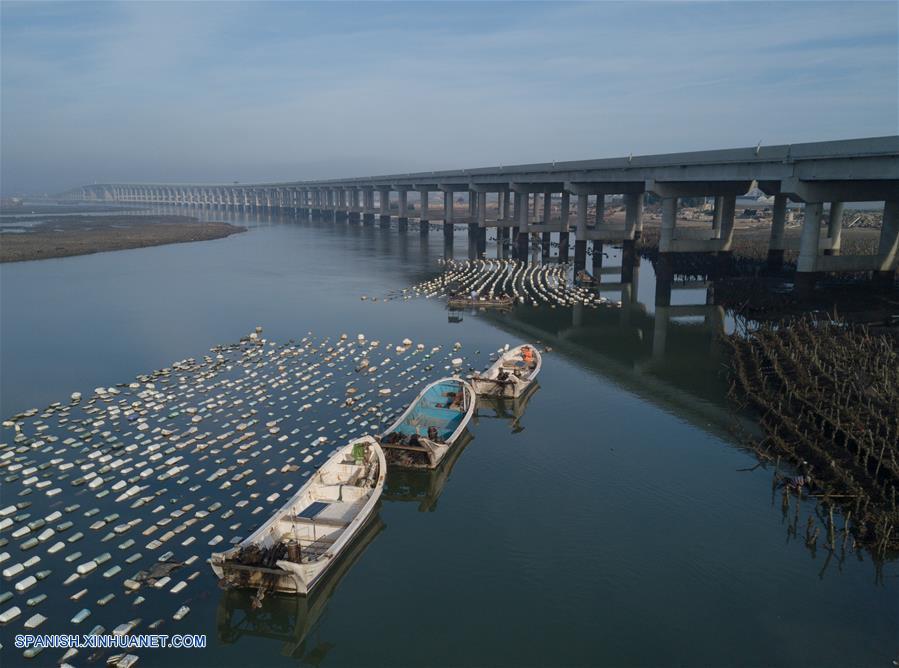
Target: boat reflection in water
{"points": [[505, 408], [424, 485], [290, 619]]}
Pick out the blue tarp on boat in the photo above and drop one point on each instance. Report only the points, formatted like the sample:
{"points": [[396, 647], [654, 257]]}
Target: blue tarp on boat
{"points": [[431, 411], [313, 509]]}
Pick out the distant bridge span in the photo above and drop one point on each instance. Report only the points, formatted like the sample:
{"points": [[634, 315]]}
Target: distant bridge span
{"points": [[812, 173]]}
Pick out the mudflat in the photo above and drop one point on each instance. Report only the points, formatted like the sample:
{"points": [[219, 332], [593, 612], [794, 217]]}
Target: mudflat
{"points": [[82, 235]]}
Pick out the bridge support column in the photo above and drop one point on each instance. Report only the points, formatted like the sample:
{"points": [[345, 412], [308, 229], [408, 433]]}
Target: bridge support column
{"points": [[368, 204], [633, 226], [580, 239], [384, 206], [776, 243], [728, 212], [352, 211], [835, 228], [424, 226], [472, 241], [600, 222], [669, 221], [809, 243], [633, 215], [403, 203], [716, 217], [888, 248], [564, 234], [448, 216], [546, 237], [481, 230], [341, 205], [521, 208]]}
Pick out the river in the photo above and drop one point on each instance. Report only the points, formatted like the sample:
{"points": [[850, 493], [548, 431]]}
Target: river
{"points": [[617, 522]]}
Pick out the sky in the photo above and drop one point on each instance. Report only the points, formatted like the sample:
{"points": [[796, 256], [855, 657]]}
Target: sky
{"points": [[213, 92]]}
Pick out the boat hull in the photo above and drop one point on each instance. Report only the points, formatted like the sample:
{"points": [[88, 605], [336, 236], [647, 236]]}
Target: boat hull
{"points": [[459, 304], [491, 388], [427, 454], [281, 581], [512, 385], [288, 577]]}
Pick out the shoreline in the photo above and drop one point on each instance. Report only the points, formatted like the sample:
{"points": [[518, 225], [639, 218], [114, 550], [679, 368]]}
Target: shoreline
{"points": [[66, 237]]}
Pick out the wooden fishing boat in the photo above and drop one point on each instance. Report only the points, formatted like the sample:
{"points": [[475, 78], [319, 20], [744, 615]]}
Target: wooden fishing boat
{"points": [[289, 619], [511, 374], [433, 422], [291, 552], [500, 302]]}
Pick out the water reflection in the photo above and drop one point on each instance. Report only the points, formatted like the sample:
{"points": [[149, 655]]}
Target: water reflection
{"points": [[511, 409], [424, 486], [661, 341], [708, 312], [666, 500], [290, 620]]}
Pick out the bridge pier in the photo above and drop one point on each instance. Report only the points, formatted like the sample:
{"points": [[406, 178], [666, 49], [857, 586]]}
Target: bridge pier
{"points": [[809, 242], [448, 221], [403, 208], [384, 206], [546, 237], [580, 236], [522, 200], [776, 240], [888, 247], [834, 228], [564, 234], [424, 225]]}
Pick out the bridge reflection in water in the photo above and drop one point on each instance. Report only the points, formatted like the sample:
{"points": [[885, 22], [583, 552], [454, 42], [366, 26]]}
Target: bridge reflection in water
{"points": [[662, 343]]}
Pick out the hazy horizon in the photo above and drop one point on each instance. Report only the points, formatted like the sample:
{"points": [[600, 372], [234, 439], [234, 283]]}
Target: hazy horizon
{"points": [[222, 92]]}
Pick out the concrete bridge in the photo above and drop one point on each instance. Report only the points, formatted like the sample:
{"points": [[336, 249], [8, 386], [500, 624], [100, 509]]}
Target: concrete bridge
{"points": [[548, 199]]}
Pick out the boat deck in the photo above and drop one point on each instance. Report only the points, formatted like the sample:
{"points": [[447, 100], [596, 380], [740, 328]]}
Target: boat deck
{"points": [[432, 411]]}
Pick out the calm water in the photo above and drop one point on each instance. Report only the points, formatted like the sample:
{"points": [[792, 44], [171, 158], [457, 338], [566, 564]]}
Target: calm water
{"points": [[614, 523]]}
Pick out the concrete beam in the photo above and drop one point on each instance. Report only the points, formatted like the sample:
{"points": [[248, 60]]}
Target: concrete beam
{"points": [[680, 245], [605, 188], [605, 233], [527, 188], [697, 188], [488, 187], [839, 191]]}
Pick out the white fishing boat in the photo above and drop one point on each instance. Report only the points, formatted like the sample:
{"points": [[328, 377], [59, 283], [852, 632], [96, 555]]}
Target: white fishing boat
{"points": [[433, 423], [511, 375], [293, 550], [289, 619]]}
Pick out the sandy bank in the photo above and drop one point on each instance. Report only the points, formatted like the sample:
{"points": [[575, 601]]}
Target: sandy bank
{"points": [[82, 235]]}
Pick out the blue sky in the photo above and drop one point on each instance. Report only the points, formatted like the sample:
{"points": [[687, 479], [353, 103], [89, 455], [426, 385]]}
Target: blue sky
{"points": [[206, 92]]}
